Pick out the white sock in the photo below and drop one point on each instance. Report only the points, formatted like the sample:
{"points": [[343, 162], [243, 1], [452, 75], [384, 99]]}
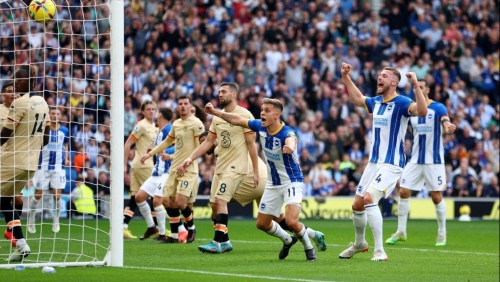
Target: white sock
{"points": [[125, 226], [311, 232], [359, 220], [277, 231], [374, 217], [146, 213], [441, 218], [57, 211], [403, 209], [182, 228], [304, 239], [160, 218], [20, 243], [33, 207]]}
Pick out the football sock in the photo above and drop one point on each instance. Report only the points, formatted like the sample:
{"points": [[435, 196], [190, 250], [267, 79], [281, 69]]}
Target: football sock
{"points": [[19, 208], [12, 219], [153, 213], [146, 213], [160, 217], [277, 231], [283, 225], [129, 213], [175, 219], [33, 207], [374, 217], [182, 228], [220, 227], [225, 238], [310, 232], [188, 217], [403, 209], [441, 218], [304, 238], [359, 220], [57, 211]]}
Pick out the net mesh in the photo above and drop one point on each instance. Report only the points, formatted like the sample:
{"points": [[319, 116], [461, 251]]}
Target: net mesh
{"points": [[71, 55]]}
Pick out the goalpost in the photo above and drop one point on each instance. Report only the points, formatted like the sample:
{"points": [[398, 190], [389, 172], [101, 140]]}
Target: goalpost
{"points": [[94, 31]]}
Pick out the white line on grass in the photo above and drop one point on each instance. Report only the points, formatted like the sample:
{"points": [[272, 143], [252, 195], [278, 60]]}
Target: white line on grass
{"points": [[391, 248], [226, 274]]}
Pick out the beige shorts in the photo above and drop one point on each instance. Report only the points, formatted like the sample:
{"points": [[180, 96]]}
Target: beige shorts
{"points": [[225, 185], [247, 193], [13, 180], [137, 177], [186, 185]]}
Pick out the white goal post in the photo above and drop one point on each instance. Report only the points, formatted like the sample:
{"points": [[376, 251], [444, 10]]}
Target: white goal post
{"points": [[89, 240]]}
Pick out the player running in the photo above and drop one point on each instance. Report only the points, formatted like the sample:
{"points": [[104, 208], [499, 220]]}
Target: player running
{"points": [[391, 113], [25, 132], [143, 136], [285, 179], [53, 158], [425, 166]]}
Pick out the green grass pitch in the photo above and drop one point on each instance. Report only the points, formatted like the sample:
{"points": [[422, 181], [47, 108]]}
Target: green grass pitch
{"points": [[472, 254]]}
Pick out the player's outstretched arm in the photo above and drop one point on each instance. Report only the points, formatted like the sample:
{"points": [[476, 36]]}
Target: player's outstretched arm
{"points": [[231, 118], [290, 145], [254, 157], [355, 95], [202, 149], [167, 142], [420, 107]]}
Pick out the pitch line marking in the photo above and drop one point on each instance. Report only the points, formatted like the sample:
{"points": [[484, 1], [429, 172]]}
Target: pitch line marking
{"points": [[227, 274]]}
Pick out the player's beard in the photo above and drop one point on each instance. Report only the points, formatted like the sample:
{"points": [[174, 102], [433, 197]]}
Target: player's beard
{"points": [[224, 103], [384, 90]]}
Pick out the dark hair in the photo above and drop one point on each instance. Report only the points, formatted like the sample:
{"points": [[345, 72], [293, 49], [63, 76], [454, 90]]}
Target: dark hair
{"points": [[27, 71], [7, 84], [233, 87], [394, 71], [425, 82], [184, 97], [200, 113], [166, 113], [145, 103], [275, 102]]}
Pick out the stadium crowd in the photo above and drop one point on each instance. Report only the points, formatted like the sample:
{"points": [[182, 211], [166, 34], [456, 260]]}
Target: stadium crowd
{"points": [[286, 49]]}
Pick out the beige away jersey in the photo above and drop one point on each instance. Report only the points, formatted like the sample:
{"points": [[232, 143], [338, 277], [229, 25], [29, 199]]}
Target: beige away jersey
{"points": [[144, 135], [262, 166], [4, 112], [185, 133], [27, 117], [233, 151]]}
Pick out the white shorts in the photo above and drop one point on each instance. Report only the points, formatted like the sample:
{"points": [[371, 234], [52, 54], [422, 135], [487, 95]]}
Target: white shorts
{"points": [[379, 176], [56, 179], [273, 198], [154, 185], [416, 175]]}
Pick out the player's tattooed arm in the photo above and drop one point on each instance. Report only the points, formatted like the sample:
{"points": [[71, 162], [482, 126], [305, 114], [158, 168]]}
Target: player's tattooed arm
{"points": [[231, 118]]}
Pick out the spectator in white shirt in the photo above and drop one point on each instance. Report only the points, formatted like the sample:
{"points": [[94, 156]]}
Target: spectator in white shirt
{"points": [[218, 10]]}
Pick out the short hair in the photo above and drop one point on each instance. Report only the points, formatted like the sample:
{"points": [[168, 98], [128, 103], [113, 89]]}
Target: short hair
{"points": [[425, 82], [275, 102], [233, 87], [54, 108], [395, 72], [166, 113], [7, 84], [145, 103], [27, 71], [184, 97]]}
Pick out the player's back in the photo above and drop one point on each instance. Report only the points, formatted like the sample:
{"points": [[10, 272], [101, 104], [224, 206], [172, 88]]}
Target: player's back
{"points": [[282, 168], [144, 135], [53, 154], [427, 132], [161, 167], [28, 117], [390, 121], [233, 151], [186, 133]]}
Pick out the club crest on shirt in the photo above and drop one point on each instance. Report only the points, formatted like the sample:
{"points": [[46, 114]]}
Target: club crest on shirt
{"points": [[185, 128], [390, 106], [136, 129], [429, 116]]}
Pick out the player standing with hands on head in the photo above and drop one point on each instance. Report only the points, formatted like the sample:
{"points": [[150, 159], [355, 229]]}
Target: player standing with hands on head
{"points": [[179, 188], [231, 169], [50, 170], [425, 166], [285, 178], [25, 132], [143, 136], [391, 113]]}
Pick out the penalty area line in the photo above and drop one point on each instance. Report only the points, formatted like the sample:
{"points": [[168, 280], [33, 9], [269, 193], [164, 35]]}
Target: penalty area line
{"points": [[226, 274]]}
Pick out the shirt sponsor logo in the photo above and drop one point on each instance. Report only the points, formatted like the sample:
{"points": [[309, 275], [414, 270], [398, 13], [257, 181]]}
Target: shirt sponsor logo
{"points": [[422, 128], [381, 121], [272, 156]]}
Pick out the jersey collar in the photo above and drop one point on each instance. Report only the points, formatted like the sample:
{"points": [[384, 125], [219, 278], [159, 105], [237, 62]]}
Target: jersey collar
{"points": [[390, 98], [429, 103], [277, 130]]}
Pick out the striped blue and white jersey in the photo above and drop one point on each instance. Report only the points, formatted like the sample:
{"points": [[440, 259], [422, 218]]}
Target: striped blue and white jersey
{"points": [[162, 167], [390, 122], [53, 155], [282, 169], [427, 131]]}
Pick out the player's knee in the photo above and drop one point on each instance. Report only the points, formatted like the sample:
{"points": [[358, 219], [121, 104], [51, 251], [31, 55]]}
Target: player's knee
{"points": [[165, 202], [157, 201], [372, 196], [214, 207], [404, 193], [140, 197], [437, 197], [358, 204], [262, 225]]}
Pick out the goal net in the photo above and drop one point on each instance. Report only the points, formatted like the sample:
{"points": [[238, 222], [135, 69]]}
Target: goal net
{"points": [[68, 204]]}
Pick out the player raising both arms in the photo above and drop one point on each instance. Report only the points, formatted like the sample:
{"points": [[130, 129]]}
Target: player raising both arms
{"points": [[25, 132], [153, 187], [231, 169], [8, 97], [50, 169], [180, 188], [285, 179], [248, 193], [387, 157], [426, 165], [143, 136]]}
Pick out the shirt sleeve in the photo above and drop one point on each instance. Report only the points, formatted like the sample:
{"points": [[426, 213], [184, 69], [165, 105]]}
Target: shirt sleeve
{"points": [[136, 132], [254, 124], [15, 115], [442, 113], [198, 129], [369, 104], [212, 129], [406, 104]]}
